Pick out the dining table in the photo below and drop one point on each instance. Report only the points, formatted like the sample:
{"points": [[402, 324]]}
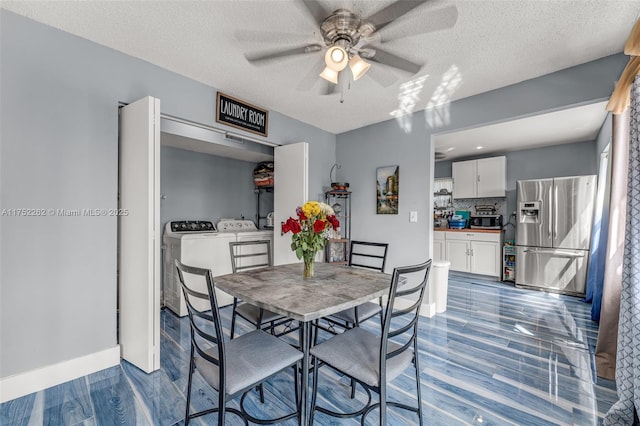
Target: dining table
{"points": [[283, 290]]}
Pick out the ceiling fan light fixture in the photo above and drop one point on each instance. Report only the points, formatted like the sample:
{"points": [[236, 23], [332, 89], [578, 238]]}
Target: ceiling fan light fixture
{"points": [[359, 66], [336, 58], [329, 75]]}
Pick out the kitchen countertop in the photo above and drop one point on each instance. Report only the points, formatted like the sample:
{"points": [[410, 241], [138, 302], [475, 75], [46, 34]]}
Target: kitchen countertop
{"points": [[485, 231]]}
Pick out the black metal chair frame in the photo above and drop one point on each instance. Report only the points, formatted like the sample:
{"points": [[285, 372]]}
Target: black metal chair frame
{"points": [[353, 252], [387, 333], [235, 257], [216, 339]]}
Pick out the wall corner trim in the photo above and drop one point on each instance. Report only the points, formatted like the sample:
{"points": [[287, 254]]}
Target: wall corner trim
{"points": [[22, 384]]}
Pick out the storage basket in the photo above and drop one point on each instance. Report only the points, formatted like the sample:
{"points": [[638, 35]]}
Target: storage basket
{"points": [[457, 224], [263, 174]]}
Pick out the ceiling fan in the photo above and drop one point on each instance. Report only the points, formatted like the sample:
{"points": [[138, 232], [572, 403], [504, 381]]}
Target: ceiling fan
{"points": [[350, 40]]}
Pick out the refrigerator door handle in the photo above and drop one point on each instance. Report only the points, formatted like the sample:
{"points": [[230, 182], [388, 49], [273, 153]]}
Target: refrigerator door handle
{"points": [[550, 216], [555, 208], [555, 252]]}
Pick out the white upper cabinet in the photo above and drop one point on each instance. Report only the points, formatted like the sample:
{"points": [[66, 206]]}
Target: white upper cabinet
{"points": [[486, 177], [465, 176], [492, 177]]}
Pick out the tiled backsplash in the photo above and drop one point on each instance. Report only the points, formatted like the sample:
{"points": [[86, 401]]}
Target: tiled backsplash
{"points": [[442, 203], [471, 203]]}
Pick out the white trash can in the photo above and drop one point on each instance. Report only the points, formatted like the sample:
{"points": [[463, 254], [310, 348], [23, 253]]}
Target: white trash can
{"points": [[440, 282]]}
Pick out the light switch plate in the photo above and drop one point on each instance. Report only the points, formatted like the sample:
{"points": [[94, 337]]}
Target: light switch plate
{"points": [[413, 216]]}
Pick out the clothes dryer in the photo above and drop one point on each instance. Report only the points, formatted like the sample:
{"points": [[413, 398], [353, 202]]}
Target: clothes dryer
{"points": [[194, 243]]}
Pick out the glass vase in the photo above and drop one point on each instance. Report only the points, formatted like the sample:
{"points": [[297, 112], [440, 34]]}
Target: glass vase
{"points": [[308, 266]]}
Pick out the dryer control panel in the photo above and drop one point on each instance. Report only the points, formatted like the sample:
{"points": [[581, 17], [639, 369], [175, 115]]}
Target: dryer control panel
{"points": [[192, 226]]}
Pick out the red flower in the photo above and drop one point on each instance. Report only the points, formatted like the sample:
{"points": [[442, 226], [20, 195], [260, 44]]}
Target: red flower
{"points": [[319, 225], [335, 223], [291, 225], [300, 214]]}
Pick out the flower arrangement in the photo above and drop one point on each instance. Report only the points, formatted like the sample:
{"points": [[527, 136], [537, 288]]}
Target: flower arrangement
{"points": [[311, 229]]}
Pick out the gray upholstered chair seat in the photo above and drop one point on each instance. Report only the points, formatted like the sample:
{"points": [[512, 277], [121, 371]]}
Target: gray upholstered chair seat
{"points": [[251, 358], [251, 313], [365, 311], [356, 353]]}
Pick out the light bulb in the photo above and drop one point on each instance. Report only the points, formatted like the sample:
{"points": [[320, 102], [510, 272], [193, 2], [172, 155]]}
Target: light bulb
{"points": [[336, 58]]}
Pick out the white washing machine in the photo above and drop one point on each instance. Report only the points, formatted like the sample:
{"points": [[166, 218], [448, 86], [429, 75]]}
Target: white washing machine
{"points": [[244, 230], [194, 243]]}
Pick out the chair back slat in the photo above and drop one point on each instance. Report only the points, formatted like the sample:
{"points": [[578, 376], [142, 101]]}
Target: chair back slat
{"points": [[364, 254], [206, 329], [400, 350], [400, 321], [247, 255], [403, 329]]}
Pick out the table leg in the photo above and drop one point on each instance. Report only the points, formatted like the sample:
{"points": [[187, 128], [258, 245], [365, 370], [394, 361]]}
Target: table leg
{"points": [[304, 391]]}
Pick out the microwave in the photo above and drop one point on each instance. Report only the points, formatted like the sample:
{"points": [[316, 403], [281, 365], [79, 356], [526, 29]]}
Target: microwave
{"points": [[493, 221]]}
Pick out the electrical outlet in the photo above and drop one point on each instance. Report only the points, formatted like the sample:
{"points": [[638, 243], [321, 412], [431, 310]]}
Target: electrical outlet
{"points": [[413, 216]]}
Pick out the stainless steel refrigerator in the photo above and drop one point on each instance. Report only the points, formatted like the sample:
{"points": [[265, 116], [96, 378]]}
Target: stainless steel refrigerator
{"points": [[553, 235]]}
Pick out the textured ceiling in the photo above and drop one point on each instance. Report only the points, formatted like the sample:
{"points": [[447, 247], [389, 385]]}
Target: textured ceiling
{"points": [[569, 125], [493, 44]]}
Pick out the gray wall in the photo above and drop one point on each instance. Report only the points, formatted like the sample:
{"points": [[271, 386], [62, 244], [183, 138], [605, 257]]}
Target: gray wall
{"points": [[362, 150], [59, 149], [206, 187]]}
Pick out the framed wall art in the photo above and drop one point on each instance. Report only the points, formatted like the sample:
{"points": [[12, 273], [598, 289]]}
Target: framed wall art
{"points": [[387, 186]]}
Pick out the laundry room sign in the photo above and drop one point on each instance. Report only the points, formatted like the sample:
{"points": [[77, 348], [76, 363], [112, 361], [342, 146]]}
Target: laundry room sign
{"points": [[236, 113]]}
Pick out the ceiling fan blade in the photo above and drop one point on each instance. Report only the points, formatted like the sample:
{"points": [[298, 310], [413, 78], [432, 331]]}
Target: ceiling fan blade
{"points": [[311, 78], [261, 58], [437, 20], [395, 10], [329, 88], [394, 61], [254, 36], [317, 12], [382, 76]]}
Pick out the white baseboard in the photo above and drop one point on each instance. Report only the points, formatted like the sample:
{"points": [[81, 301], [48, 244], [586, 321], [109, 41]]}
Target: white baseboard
{"points": [[22, 384]]}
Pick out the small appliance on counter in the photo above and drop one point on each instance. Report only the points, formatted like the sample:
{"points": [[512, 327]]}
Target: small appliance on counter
{"points": [[270, 220], [457, 222], [486, 218]]}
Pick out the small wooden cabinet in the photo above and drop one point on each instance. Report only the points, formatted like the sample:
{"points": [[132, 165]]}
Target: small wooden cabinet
{"points": [[483, 178], [475, 252]]}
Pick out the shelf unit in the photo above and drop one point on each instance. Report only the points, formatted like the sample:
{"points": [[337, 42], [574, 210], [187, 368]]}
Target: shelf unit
{"points": [[509, 263], [442, 200], [260, 192], [337, 249]]}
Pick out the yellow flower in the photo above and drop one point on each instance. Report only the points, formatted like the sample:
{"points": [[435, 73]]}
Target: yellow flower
{"points": [[311, 209]]}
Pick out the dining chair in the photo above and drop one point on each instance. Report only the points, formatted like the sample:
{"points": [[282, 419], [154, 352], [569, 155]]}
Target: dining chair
{"points": [[231, 367], [362, 254], [247, 255], [372, 360]]}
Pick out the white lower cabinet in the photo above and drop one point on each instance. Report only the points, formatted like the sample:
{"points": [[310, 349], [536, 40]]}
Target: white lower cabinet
{"points": [[439, 248], [458, 255], [485, 258], [475, 252]]}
